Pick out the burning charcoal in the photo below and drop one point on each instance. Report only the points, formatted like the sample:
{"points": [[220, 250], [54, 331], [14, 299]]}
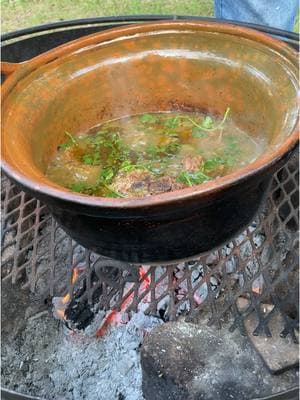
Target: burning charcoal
{"points": [[73, 308], [78, 314]]}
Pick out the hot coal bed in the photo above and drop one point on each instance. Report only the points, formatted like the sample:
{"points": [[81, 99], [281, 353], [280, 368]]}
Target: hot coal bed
{"points": [[224, 326]]}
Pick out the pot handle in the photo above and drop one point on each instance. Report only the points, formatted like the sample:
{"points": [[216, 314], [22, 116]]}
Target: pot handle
{"points": [[8, 68]]}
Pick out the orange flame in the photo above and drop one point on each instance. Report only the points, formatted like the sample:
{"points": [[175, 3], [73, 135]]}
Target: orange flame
{"points": [[65, 300], [75, 275], [113, 317], [60, 313]]}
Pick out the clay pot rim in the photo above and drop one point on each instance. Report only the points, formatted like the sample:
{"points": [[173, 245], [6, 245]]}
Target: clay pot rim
{"points": [[205, 189]]}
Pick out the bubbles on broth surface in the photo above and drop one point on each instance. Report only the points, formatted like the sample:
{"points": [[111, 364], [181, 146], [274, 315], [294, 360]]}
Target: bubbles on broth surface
{"points": [[152, 153]]}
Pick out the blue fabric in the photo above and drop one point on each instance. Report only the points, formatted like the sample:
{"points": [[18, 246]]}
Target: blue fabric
{"points": [[276, 13]]}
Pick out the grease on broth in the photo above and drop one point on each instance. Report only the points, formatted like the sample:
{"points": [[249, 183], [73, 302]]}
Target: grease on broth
{"points": [[152, 153]]}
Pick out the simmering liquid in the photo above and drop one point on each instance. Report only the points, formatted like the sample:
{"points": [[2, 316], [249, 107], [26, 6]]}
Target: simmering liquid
{"points": [[147, 154]]}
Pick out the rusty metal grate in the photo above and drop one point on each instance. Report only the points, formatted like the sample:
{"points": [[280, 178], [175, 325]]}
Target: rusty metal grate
{"points": [[259, 266]]}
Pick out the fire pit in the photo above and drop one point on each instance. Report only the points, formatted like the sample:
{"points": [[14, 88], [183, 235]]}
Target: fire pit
{"points": [[73, 322]]}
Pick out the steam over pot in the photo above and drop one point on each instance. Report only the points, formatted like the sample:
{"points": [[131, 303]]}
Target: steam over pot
{"points": [[152, 67]]}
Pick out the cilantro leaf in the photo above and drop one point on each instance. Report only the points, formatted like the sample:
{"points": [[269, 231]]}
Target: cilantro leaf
{"points": [[172, 123], [184, 177], [207, 123], [64, 146], [212, 163], [88, 159], [148, 119], [193, 178], [91, 159], [106, 174]]}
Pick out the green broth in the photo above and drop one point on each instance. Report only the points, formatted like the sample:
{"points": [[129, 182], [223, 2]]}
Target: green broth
{"points": [[152, 153]]}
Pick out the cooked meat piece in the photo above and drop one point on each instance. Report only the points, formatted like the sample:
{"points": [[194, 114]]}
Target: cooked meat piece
{"points": [[192, 163], [140, 185], [143, 183], [160, 185], [132, 184], [163, 184]]}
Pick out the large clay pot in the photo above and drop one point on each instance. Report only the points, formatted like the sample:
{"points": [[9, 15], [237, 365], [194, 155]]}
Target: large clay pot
{"points": [[145, 68]]}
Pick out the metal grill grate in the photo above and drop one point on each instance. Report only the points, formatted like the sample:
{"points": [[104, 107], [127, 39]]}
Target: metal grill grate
{"points": [[259, 266]]}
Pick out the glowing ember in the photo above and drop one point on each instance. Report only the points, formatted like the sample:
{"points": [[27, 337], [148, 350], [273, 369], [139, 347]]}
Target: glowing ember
{"points": [[114, 317], [144, 277], [120, 310], [258, 284], [108, 321]]}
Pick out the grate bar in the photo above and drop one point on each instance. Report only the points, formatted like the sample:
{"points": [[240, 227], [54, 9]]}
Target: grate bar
{"points": [[259, 266]]}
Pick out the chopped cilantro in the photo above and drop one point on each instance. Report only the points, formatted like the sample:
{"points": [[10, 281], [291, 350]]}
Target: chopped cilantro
{"points": [[148, 119], [207, 123], [114, 152], [106, 175], [213, 163], [172, 123], [91, 159], [193, 178]]}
